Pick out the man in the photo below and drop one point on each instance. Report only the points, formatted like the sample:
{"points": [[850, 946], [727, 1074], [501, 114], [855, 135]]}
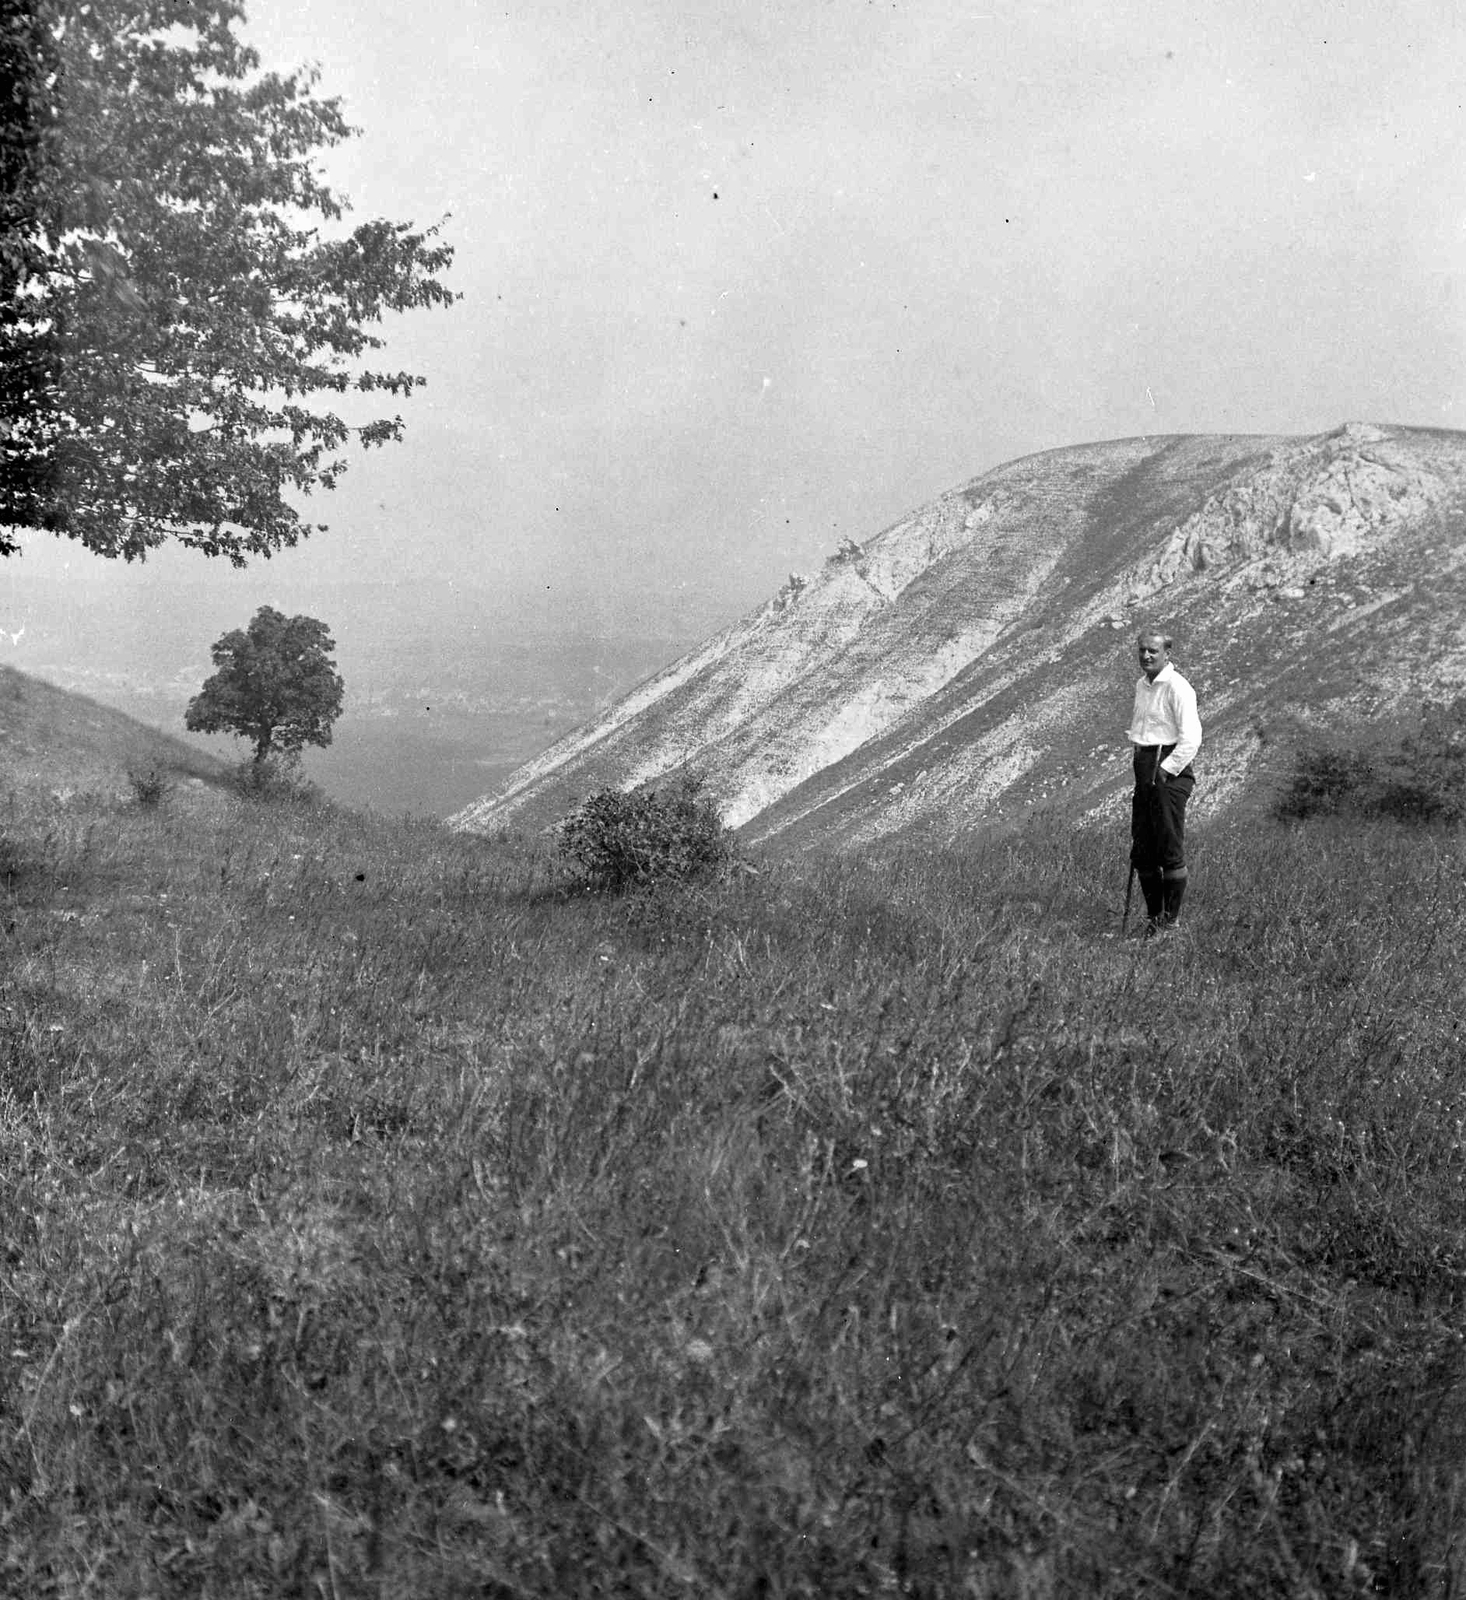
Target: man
{"points": [[1166, 732]]}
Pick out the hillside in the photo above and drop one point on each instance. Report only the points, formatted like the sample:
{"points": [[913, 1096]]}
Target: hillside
{"points": [[975, 657], [51, 738], [385, 1215]]}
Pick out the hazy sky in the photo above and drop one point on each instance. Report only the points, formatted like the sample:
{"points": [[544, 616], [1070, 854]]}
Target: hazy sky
{"points": [[744, 277]]}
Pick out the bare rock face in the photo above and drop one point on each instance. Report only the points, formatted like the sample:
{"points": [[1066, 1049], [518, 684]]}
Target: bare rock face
{"points": [[976, 657], [1329, 497]]}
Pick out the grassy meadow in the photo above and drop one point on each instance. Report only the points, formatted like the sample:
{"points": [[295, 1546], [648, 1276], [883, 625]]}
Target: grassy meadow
{"points": [[384, 1218]]}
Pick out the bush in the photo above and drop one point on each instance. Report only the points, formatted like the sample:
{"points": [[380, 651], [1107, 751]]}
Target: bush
{"points": [[277, 778], [1324, 782], [151, 784], [1419, 777], [1428, 782], [622, 840]]}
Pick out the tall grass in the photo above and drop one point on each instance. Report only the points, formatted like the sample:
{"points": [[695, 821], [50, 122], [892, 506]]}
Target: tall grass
{"points": [[383, 1218]]}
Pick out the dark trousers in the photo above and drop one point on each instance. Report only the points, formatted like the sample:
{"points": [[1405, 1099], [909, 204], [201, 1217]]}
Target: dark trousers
{"points": [[1158, 816]]}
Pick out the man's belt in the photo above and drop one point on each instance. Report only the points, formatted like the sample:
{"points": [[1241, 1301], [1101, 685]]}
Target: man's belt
{"points": [[1161, 751]]}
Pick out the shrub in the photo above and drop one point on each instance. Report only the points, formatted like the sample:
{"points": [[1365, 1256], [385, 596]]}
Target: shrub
{"points": [[1324, 782], [277, 778], [1428, 782], [151, 784], [621, 840], [1416, 777]]}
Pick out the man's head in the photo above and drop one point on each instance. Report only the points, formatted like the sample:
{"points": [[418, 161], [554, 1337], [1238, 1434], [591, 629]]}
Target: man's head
{"points": [[1154, 651]]}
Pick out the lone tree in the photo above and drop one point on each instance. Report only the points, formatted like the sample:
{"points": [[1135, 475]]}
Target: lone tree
{"points": [[169, 311], [276, 685]]}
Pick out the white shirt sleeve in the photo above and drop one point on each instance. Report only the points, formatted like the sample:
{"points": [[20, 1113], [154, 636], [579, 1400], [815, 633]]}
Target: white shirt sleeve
{"points": [[1188, 720]]}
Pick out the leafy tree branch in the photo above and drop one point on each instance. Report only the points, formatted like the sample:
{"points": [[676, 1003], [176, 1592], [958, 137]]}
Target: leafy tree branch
{"points": [[170, 311]]}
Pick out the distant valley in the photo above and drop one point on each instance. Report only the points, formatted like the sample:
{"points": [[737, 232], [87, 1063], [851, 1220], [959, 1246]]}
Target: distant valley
{"points": [[429, 724]]}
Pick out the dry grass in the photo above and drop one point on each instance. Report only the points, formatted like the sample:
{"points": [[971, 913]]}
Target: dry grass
{"points": [[64, 742], [383, 1220]]}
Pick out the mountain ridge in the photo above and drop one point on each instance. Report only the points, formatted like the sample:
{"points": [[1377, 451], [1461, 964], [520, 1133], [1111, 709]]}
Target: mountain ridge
{"points": [[963, 662]]}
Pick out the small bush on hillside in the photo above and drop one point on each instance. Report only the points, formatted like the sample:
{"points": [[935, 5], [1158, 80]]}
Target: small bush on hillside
{"points": [[1324, 782], [620, 841], [1428, 781], [1419, 777], [277, 778], [151, 784]]}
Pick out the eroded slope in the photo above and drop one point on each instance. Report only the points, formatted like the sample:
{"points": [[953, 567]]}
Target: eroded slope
{"points": [[975, 657]]}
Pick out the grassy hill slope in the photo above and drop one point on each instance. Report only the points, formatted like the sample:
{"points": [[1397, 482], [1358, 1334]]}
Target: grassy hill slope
{"points": [[382, 1218], [50, 737]]}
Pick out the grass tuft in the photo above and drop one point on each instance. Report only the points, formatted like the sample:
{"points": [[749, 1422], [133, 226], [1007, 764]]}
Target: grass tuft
{"points": [[151, 784]]}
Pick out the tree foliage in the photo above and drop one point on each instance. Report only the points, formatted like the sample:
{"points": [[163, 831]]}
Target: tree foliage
{"points": [[276, 685], [170, 310]]}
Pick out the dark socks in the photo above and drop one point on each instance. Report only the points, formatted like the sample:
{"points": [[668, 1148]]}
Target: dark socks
{"points": [[1153, 889]]}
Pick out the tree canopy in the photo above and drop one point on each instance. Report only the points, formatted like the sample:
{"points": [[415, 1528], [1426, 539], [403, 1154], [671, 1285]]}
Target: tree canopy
{"points": [[171, 310], [276, 685]]}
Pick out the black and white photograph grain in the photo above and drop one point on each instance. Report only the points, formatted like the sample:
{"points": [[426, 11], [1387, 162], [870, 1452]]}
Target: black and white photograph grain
{"points": [[732, 800]]}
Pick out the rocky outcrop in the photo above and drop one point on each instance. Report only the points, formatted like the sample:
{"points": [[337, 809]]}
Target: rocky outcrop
{"points": [[1330, 498], [974, 658]]}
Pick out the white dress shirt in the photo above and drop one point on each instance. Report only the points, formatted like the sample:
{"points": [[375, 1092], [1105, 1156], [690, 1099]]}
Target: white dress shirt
{"points": [[1165, 713]]}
